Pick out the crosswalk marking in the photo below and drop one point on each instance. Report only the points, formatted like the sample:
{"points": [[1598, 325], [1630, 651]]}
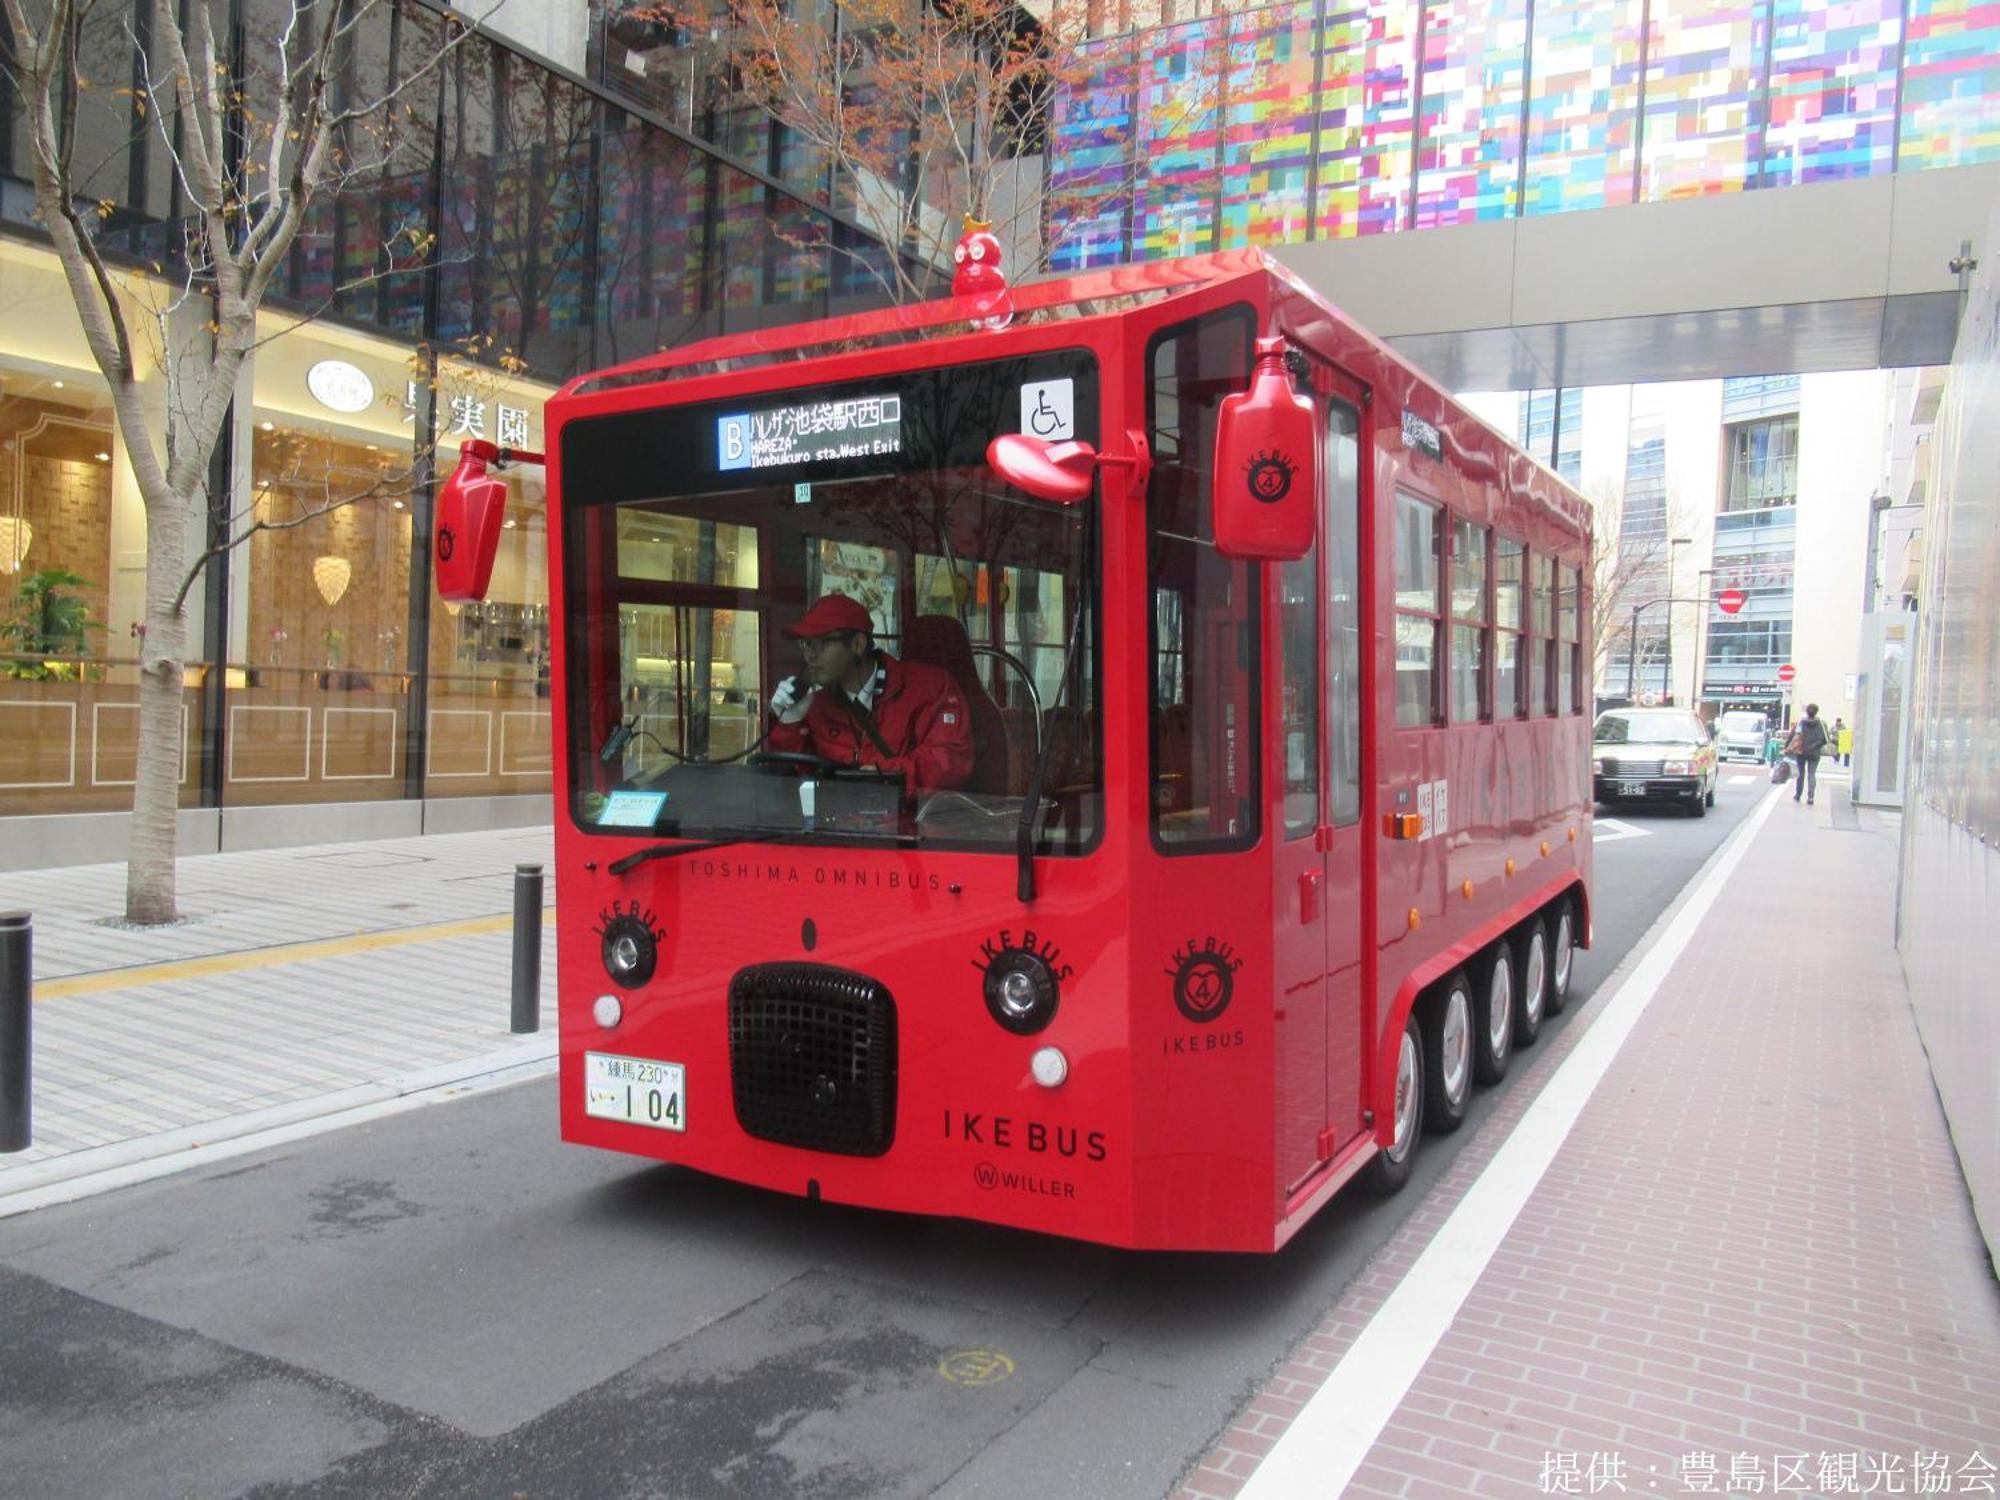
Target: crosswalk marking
{"points": [[1610, 830]]}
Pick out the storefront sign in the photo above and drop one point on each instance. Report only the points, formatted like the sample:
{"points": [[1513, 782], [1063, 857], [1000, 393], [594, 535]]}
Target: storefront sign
{"points": [[824, 431], [340, 386]]}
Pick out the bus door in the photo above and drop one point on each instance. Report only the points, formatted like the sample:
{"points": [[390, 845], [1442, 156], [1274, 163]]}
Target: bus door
{"points": [[1317, 901]]}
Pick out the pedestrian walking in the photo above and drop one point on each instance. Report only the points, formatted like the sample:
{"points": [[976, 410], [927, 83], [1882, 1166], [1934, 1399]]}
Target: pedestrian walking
{"points": [[1807, 744], [1843, 741]]}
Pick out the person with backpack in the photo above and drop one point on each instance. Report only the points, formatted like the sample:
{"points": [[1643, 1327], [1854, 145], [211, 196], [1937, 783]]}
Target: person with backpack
{"points": [[1807, 744]]}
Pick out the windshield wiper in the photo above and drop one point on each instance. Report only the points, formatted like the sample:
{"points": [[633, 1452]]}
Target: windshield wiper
{"points": [[674, 851]]}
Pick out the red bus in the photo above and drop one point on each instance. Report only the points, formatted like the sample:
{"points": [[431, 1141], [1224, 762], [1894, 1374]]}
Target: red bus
{"points": [[1264, 826]]}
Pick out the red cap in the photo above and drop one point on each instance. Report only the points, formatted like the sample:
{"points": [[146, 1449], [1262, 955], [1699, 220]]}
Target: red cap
{"points": [[834, 612]]}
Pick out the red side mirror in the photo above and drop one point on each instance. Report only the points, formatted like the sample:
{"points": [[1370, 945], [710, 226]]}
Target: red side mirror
{"points": [[1267, 463], [1061, 472], [471, 506]]}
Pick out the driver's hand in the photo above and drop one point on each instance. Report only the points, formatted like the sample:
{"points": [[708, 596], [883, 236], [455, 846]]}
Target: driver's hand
{"points": [[789, 700]]}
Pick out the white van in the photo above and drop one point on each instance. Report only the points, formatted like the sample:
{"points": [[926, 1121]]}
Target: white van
{"points": [[1740, 731]]}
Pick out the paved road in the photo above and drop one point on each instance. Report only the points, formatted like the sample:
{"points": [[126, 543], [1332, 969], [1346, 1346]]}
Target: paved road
{"points": [[450, 1302]]}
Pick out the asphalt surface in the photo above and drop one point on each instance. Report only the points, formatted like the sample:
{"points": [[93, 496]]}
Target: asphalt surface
{"points": [[450, 1302]]}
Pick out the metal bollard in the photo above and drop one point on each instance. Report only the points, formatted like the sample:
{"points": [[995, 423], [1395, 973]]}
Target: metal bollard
{"points": [[527, 948], [17, 993]]}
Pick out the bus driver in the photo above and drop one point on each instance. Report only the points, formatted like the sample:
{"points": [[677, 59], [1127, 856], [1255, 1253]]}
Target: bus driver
{"points": [[863, 707]]}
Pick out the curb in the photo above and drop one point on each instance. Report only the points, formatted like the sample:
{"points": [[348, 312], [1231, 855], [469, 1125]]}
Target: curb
{"points": [[102, 1169]]}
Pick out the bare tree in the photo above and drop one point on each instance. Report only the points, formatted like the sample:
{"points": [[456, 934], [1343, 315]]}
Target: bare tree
{"points": [[1628, 569], [256, 136]]}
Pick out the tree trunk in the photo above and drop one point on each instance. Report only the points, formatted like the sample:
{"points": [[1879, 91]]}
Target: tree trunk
{"points": [[149, 871]]}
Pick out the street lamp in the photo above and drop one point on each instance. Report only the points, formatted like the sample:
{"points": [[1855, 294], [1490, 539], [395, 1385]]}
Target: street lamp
{"points": [[1667, 686], [1707, 592]]}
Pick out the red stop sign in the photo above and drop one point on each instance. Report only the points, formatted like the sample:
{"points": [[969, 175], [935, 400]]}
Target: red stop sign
{"points": [[1730, 600], [1787, 672]]}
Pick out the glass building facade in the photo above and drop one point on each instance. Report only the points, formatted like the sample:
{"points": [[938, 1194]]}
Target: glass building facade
{"points": [[1321, 119], [514, 225]]}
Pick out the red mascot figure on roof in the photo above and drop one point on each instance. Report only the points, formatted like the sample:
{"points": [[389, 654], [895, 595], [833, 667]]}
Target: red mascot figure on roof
{"points": [[976, 273]]}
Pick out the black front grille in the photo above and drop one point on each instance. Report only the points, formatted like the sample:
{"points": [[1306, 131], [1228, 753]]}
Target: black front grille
{"points": [[812, 1058], [1616, 767]]}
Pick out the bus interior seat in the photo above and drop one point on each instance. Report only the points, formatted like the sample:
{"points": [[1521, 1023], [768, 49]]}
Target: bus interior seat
{"points": [[940, 641]]}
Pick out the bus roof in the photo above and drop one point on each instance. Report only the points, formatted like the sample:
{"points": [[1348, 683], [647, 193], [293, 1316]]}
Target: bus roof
{"points": [[1145, 282]]}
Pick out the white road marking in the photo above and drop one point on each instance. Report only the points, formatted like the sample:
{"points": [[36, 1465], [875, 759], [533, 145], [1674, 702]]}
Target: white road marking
{"points": [[1321, 1450], [1611, 830]]}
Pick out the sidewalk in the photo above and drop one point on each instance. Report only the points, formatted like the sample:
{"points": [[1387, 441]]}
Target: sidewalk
{"points": [[1744, 1262], [302, 983]]}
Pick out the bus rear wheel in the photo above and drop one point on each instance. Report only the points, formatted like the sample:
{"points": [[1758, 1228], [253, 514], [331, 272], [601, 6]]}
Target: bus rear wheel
{"points": [[1493, 1033], [1562, 955], [1532, 997], [1389, 1168], [1447, 1034]]}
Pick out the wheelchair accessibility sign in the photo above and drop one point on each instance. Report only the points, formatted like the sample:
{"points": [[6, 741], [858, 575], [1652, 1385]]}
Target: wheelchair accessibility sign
{"points": [[1048, 409]]}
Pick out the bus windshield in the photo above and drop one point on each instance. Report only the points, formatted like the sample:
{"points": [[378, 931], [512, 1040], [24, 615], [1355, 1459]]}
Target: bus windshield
{"points": [[688, 576]]}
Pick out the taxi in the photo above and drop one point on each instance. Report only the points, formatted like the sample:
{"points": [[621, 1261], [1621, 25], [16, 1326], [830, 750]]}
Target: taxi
{"points": [[1653, 755]]}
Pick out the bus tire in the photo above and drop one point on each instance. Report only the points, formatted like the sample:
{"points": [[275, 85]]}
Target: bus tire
{"points": [[1562, 954], [1531, 991], [1447, 1036], [1493, 1017], [1389, 1168]]}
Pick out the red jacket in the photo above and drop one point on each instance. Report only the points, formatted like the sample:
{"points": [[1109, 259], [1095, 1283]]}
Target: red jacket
{"points": [[920, 714]]}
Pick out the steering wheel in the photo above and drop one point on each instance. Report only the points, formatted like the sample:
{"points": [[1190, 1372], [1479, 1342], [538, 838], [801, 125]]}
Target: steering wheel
{"points": [[801, 758]]}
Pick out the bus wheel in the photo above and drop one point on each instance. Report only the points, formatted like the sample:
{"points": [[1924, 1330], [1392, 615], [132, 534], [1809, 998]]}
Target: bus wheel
{"points": [[1493, 1016], [1531, 996], [1562, 955], [1447, 1034], [1389, 1168]]}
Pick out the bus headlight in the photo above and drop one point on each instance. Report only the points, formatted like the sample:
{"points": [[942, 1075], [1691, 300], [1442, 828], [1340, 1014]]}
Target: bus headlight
{"points": [[1020, 991], [631, 952]]}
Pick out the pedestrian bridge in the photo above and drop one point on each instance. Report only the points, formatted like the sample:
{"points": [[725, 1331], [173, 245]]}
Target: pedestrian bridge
{"points": [[1526, 193]]}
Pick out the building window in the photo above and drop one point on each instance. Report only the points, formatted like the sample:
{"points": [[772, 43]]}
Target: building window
{"points": [[1763, 465], [1509, 684], [1417, 612], [1469, 630], [1554, 420]]}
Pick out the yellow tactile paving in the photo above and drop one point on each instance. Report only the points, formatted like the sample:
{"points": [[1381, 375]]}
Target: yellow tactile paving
{"points": [[273, 957]]}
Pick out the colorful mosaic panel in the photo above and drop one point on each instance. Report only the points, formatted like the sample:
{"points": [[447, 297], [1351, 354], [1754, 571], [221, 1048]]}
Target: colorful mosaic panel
{"points": [[1583, 108], [1090, 151], [1951, 77], [1704, 68], [1179, 120], [1832, 107], [650, 242], [1469, 136], [1267, 125], [1367, 100]]}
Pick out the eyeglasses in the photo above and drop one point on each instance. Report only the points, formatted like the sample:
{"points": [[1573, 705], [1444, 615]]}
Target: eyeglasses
{"points": [[812, 645]]}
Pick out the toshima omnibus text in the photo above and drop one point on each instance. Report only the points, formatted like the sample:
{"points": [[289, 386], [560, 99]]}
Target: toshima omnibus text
{"points": [[864, 427]]}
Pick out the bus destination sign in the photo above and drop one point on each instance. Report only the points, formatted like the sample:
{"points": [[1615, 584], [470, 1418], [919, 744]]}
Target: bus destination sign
{"points": [[819, 432]]}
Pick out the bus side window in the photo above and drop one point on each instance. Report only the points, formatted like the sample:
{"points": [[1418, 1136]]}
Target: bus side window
{"points": [[1343, 608], [1203, 620]]}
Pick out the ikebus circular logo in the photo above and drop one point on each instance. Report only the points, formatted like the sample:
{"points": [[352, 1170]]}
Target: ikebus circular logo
{"points": [[1271, 477], [1204, 979]]}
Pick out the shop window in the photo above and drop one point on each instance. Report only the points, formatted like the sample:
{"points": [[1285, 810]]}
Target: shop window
{"points": [[1418, 618]]}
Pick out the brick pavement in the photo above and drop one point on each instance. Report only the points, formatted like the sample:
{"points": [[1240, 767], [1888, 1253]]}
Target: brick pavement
{"points": [[1752, 1266], [164, 1058]]}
